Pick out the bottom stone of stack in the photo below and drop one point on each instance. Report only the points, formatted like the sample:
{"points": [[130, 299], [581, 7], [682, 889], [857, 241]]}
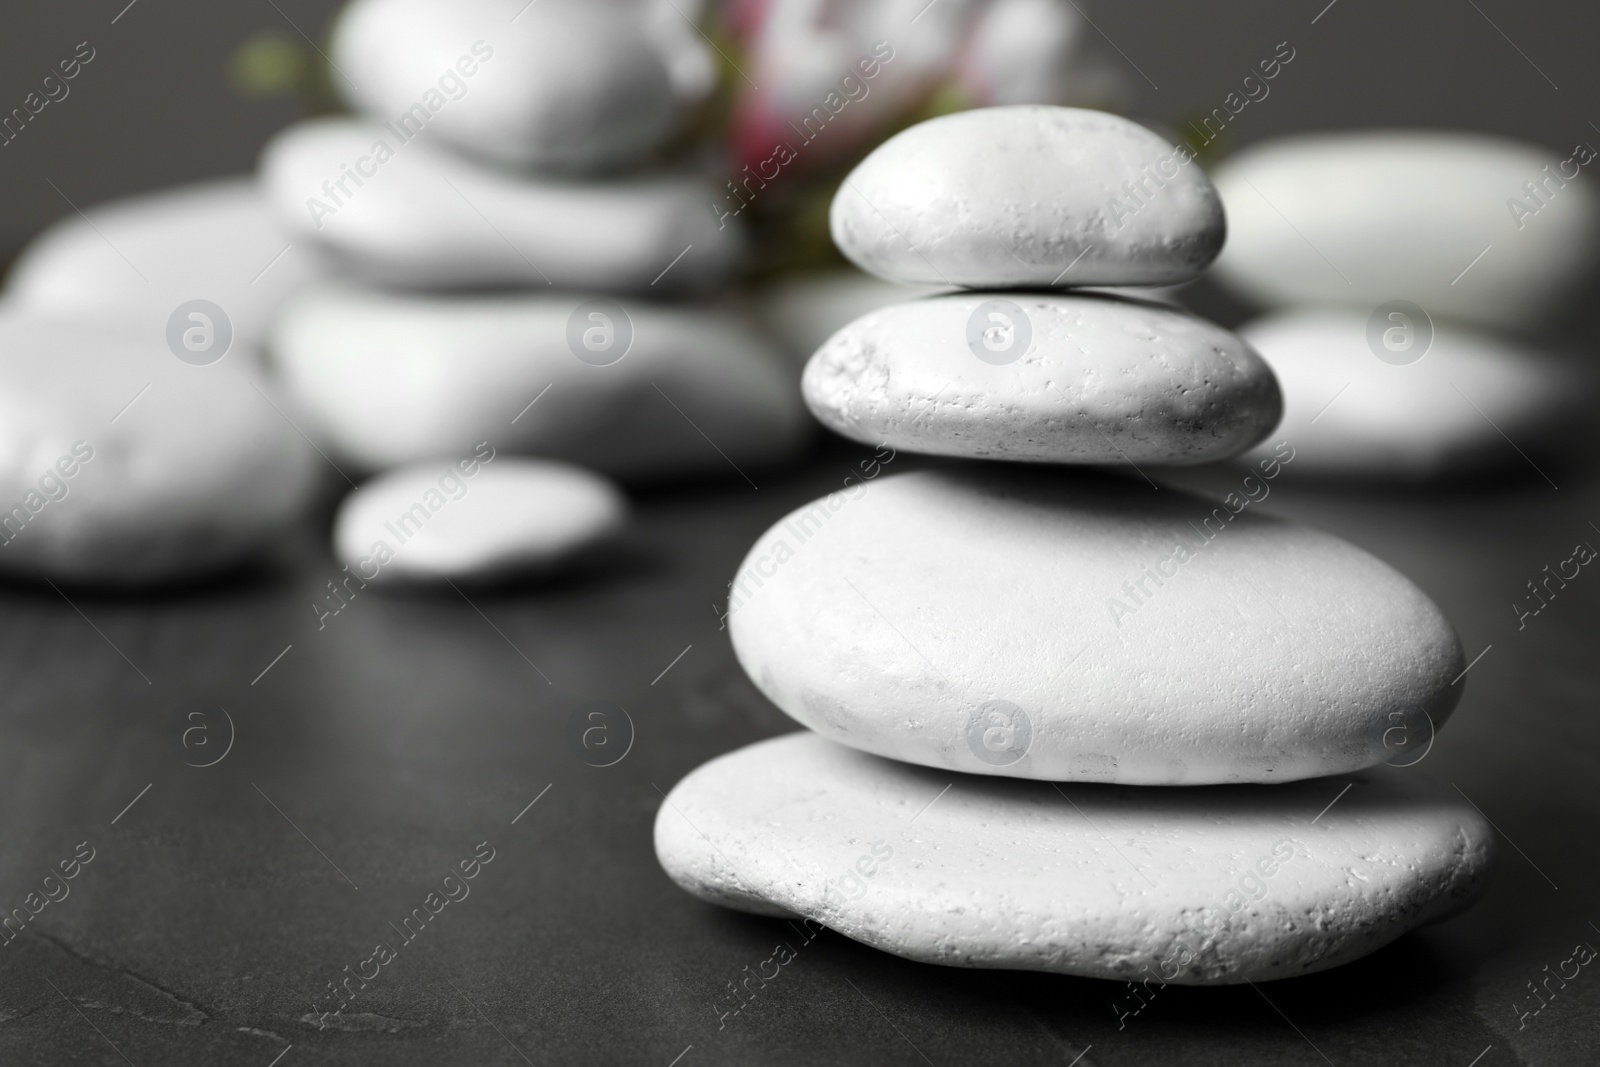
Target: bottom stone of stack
{"points": [[1205, 885]]}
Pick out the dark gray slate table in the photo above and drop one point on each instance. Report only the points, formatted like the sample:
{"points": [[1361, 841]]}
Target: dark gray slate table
{"points": [[375, 754]]}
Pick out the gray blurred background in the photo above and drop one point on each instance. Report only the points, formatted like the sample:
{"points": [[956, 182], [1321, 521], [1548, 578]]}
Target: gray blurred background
{"points": [[156, 106]]}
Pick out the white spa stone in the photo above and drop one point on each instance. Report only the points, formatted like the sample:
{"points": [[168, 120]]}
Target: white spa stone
{"points": [[132, 262], [1084, 626], [1028, 196], [390, 379], [1365, 218], [477, 518], [1210, 886], [556, 86], [429, 218], [177, 470], [1350, 414], [1051, 378]]}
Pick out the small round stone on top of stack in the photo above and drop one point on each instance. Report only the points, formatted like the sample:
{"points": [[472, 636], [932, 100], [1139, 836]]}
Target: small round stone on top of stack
{"points": [[1035, 623]]}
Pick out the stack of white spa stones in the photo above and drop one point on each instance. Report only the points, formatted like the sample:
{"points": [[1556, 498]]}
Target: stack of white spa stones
{"points": [[495, 196], [1065, 720], [428, 289]]}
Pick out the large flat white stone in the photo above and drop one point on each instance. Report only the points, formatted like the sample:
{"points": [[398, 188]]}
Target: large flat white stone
{"points": [[1202, 886], [1046, 624]]}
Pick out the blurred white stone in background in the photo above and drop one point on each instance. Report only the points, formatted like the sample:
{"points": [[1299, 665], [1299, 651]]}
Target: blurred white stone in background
{"points": [[690, 62], [557, 86], [177, 471], [1429, 216], [395, 378], [1349, 413], [477, 518], [131, 262], [427, 218], [1039, 52]]}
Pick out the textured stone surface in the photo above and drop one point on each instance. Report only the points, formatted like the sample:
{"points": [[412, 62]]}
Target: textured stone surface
{"points": [[1368, 217], [1038, 624], [1210, 886], [1349, 414], [177, 470], [426, 217], [1028, 196], [392, 379], [1086, 378], [560, 85], [478, 518], [132, 262]]}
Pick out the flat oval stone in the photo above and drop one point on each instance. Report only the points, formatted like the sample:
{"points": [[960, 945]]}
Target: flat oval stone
{"points": [[561, 85], [479, 518], [1087, 627], [1445, 220], [1204, 886], [122, 465], [427, 218], [1047, 378], [131, 263], [667, 391], [1028, 197], [1455, 409]]}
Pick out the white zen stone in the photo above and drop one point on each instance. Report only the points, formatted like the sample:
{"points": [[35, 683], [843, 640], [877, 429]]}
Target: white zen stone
{"points": [[1472, 403], [403, 212], [131, 263], [1028, 196], [122, 465], [1087, 627], [478, 518], [560, 85], [1068, 378], [1212, 886], [1468, 226], [392, 379]]}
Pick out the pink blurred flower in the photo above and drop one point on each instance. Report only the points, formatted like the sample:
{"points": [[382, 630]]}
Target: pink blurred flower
{"points": [[804, 62]]}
